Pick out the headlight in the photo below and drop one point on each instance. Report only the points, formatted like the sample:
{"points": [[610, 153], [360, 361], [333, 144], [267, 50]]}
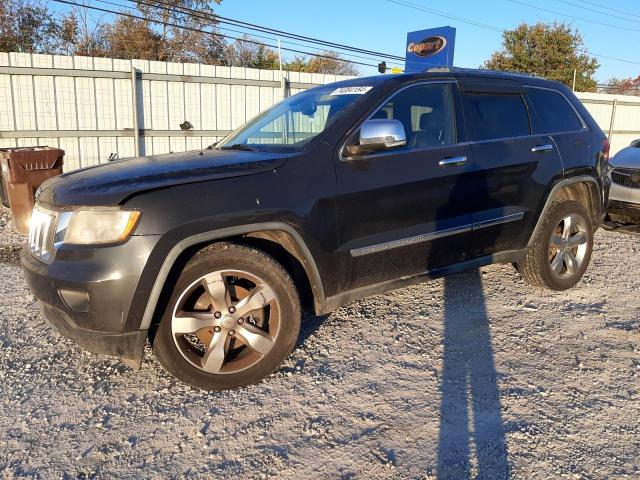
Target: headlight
{"points": [[99, 225]]}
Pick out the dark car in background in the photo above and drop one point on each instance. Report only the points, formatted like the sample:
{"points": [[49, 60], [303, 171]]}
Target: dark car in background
{"points": [[339, 192]]}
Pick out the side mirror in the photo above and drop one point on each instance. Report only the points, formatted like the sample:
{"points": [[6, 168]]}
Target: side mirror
{"points": [[636, 143], [379, 135]]}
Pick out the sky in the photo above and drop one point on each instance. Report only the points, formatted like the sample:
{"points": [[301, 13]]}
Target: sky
{"points": [[382, 25]]}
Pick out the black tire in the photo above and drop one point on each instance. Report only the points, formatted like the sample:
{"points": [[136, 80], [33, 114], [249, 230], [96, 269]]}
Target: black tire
{"points": [[536, 267], [229, 256]]}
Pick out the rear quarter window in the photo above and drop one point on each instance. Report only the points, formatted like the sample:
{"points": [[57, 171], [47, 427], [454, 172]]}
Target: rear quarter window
{"points": [[495, 115], [554, 113]]}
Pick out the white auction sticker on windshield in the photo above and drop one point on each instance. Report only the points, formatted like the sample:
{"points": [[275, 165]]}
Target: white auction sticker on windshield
{"points": [[351, 91]]}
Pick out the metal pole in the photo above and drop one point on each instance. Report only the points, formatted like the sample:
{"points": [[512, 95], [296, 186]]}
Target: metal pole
{"points": [[613, 118], [574, 79], [134, 97], [283, 80]]}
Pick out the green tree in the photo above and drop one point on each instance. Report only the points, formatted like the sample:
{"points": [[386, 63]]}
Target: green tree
{"points": [[552, 50], [242, 53], [297, 64], [330, 62], [132, 38]]}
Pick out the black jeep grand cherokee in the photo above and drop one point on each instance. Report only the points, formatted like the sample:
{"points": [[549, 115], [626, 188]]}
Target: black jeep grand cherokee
{"points": [[338, 192]]}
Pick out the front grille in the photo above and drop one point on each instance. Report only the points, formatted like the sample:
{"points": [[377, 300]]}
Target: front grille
{"points": [[41, 231], [626, 177]]}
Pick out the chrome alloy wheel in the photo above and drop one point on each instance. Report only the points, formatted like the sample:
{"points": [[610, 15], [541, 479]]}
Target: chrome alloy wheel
{"points": [[226, 321], [568, 246]]}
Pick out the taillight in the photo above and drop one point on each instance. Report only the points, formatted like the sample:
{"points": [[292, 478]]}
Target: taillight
{"points": [[606, 146]]}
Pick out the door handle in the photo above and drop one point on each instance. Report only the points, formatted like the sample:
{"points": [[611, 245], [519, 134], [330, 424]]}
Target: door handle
{"points": [[452, 161], [542, 148]]}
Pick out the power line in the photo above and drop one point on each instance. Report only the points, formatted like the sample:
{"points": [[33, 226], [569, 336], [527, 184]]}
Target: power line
{"points": [[272, 31], [609, 14], [445, 15], [501, 30], [405, 4], [184, 27], [581, 19], [216, 18], [226, 29], [610, 8]]}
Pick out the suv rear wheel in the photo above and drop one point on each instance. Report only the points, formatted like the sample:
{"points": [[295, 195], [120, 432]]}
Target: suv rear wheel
{"points": [[233, 318], [562, 248]]}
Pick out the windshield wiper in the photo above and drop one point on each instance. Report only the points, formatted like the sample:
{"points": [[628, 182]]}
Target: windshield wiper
{"points": [[238, 146]]}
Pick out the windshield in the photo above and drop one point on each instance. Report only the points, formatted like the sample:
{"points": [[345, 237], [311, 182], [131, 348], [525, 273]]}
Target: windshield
{"points": [[289, 125]]}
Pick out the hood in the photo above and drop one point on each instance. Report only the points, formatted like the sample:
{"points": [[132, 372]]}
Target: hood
{"points": [[626, 158], [113, 183]]}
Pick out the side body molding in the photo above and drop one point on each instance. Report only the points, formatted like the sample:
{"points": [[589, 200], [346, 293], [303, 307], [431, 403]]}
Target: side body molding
{"points": [[307, 261]]}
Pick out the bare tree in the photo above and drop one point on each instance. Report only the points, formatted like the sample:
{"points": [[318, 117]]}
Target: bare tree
{"points": [[27, 27], [178, 43], [244, 53], [329, 62], [83, 34], [622, 86], [169, 30]]}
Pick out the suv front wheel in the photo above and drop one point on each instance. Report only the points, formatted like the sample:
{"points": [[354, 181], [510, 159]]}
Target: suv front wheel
{"points": [[233, 318], [561, 249]]}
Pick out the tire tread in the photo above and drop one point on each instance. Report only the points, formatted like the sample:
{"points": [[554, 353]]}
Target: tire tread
{"points": [[532, 267]]}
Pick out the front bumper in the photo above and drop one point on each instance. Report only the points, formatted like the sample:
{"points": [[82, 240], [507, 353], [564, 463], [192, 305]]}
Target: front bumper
{"points": [[624, 203], [625, 212], [128, 346], [624, 194], [87, 294]]}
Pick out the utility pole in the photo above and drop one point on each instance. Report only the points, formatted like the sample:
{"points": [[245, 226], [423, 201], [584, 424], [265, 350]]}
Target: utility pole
{"points": [[574, 79], [283, 80]]}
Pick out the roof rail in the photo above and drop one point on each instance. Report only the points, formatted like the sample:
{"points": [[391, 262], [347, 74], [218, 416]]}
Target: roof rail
{"points": [[478, 70]]}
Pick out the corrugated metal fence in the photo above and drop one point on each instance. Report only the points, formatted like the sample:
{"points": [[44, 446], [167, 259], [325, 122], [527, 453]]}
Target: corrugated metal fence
{"points": [[101, 108], [617, 115]]}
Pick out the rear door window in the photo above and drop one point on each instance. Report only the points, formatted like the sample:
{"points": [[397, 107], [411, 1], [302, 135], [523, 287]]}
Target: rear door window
{"points": [[495, 115], [553, 111]]}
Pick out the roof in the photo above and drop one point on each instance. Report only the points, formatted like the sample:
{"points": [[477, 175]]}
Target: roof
{"points": [[482, 72], [449, 72]]}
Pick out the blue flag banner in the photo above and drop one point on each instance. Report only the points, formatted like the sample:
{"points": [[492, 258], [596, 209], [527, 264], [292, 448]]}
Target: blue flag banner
{"points": [[430, 48]]}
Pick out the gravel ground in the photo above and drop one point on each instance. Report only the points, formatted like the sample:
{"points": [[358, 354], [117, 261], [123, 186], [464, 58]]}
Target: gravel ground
{"points": [[475, 375]]}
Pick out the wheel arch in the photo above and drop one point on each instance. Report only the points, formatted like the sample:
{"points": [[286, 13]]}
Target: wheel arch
{"points": [[277, 239], [584, 189]]}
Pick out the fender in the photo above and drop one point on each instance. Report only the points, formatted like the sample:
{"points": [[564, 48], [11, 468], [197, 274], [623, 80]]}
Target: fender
{"points": [[308, 262], [559, 185]]}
